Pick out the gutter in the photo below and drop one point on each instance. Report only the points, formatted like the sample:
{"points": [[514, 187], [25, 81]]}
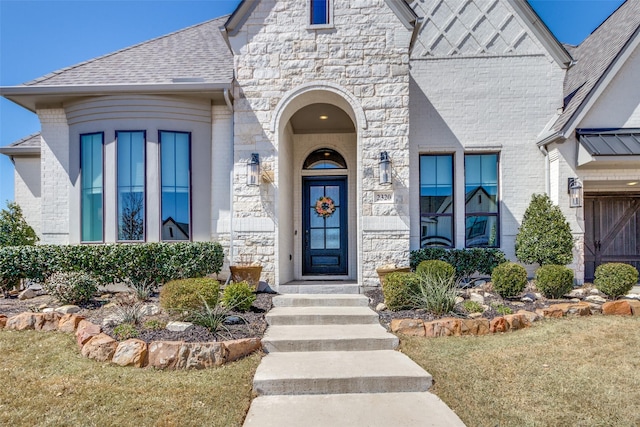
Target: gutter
{"points": [[7, 91]]}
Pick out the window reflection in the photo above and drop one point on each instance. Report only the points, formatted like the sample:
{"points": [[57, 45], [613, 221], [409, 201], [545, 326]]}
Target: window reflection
{"points": [[175, 176], [92, 186], [131, 191], [481, 200], [436, 200]]}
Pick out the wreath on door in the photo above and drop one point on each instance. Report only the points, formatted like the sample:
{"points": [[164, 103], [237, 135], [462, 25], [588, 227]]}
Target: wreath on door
{"points": [[325, 207]]}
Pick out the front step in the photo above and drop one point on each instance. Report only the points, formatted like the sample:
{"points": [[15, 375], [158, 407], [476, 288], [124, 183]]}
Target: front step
{"points": [[339, 372], [320, 288], [315, 300], [357, 409], [328, 338], [321, 316]]}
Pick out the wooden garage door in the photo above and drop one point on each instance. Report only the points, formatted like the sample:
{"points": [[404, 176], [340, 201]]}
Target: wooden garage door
{"points": [[612, 231]]}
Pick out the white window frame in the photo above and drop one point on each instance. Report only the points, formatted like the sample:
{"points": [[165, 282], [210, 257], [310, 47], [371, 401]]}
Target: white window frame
{"points": [[328, 25]]}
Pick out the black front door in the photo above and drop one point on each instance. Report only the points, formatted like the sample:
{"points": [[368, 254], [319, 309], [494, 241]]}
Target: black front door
{"points": [[324, 222]]}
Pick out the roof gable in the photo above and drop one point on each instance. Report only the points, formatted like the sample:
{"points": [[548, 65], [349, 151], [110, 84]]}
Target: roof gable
{"points": [[596, 57], [27, 146]]}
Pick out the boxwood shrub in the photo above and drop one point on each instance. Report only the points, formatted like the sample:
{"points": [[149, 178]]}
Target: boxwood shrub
{"points": [[436, 268], [399, 290], [554, 280], [615, 279], [186, 295], [509, 279], [238, 296]]}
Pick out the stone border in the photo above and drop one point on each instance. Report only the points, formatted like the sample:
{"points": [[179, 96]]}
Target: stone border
{"points": [[451, 326], [134, 352]]}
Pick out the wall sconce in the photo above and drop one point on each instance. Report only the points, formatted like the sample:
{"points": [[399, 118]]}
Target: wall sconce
{"points": [[253, 170], [574, 188], [385, 168]]}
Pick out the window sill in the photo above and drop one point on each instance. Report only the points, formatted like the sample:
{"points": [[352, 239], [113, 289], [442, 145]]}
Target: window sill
{"points": [[320, 26]]}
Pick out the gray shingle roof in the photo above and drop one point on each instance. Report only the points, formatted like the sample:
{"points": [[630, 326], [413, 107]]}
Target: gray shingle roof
{"points": [[595, 55], [28, 145], [194, 54]]}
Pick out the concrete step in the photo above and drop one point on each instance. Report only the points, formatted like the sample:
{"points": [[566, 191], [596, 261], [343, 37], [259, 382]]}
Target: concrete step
{"points": [[328, 338], [321, 372], [321, 316], [313, 300], [319, 288], [356, 409]]}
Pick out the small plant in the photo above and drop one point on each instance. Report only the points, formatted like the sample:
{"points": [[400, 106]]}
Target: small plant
{"points": [[501, 308], [72, 287], [238, 296], [143, 291], [399, 289], [436, 293], [125, 331], [615, 279], [472, 306], [554, 280], [509, 279], [187, 294], [154, 325], [128, 309], [210, 317], [436, 268]]}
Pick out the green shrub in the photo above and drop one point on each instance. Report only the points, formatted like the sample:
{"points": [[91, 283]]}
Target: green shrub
{"points": [[125, 331], [435, 293], [509, 279], [183, 295], [154, 325], [554, 280], [615, 279], [14, 230], [238, 296], [436, 268], [472, 306], [71, 287], [501, 308], [545, 235], [399, 289], [209, 316], [466, 262]]}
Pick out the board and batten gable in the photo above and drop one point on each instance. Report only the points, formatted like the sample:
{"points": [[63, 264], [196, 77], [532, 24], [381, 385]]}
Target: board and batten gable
{"points": [[481, 82], [360, 63]]}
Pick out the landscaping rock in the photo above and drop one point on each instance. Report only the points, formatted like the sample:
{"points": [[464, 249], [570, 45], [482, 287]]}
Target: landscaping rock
{"points": [[48, 310], [459, 300], [595, 308], [531, 316], [110, 321], [443, 327], [69, 322], [597, 299], [85, 331], [498, 324], [150, 310], [528, 297], [233, 320], [474, 296], [100, 347], [164, 354], [132, 352], [620, 307], [517, 321], [196, 355], [179, 326], [575, 308], [474, 326], [381, 307], [26, 294], [3, 321], [632, 296], [411, 327], [37, 321], [68, 309], [594, 291], [551, 312], [576, 293], [240, 348], [475, 315]]}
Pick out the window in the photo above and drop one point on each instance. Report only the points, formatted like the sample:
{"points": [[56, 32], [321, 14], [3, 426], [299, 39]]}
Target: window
{"points": [[91, 187], [325, 158], [131, 185], [175, 178], [436, 200], [319, 12], [481, 200]]}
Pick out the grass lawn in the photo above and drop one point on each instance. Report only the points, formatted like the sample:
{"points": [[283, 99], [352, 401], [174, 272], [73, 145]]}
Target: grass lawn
{"points": [[566, 372], [46, 382]]}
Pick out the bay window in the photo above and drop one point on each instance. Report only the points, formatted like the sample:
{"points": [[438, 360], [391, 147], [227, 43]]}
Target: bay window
{"points": [[131, 185], [92, 185]]}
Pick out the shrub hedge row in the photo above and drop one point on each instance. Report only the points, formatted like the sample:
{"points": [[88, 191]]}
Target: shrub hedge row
{"points": [[465, 261], [140, 265]]}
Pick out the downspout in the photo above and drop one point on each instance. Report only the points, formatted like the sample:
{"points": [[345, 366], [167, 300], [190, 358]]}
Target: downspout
{"points": [[228, 99]]}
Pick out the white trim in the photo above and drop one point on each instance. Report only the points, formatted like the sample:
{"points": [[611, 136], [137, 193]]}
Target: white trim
{"points": [[326, 26]]}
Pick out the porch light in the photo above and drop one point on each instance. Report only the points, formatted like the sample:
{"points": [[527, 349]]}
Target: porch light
{"points": [[253, 170], [385, 168], [575, 193]]}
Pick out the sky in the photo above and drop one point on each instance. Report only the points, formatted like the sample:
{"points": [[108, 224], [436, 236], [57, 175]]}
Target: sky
{"points": [[41, 36]]}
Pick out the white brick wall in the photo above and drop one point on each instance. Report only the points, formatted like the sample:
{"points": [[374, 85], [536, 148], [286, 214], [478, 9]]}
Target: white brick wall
{"points": [[27, 190]]}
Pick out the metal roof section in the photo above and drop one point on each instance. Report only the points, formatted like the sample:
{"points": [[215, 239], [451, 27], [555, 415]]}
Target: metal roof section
{"points": [[608, 145], [597, 59], [28, 146]]}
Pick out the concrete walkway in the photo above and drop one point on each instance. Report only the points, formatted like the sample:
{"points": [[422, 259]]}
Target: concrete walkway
{"points": [[331, 363]]}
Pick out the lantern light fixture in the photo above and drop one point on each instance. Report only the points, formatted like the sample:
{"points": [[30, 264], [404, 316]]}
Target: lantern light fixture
{"points": [[253, 170], [385, 168], [574, 188]]}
